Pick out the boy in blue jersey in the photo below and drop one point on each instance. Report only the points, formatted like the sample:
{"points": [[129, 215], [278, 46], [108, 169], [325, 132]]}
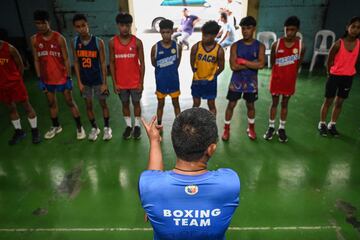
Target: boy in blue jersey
{"points": [[166, 57], [90, 69], [246, 56], [189, 201]]}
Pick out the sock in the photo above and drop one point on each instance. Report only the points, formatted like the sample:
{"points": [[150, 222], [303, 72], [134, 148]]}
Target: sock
{"points": [[55, 122], [137, 121], [251, 120], [321, 123], [282, 124], [271, 123], [159, 122], [331, 124], [227, 122], [128, 121], [93, 123], [106, 121], [78, 123], [16, 123], [33, 122]]}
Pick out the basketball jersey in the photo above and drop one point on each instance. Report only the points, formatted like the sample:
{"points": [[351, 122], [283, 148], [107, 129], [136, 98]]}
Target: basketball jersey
{"points": [[206, 63], [9, 72], [89, 61], [285, 70], [189, 207], [127, 68], [246, 80], [345, 61], [51, 61], [166, 70]]}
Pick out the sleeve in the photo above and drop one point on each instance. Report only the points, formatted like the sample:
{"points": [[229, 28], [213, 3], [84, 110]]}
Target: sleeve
{"points": [[148, 179]]}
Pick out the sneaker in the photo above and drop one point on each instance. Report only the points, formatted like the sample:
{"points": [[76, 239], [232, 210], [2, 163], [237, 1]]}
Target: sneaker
{"points": [[226, 133], [19, 134], [52, 132], [332, 130], [269, 133], [282, 135], [251, 131], [80, 134], [107, 134], [127, 133], [35, 136], [323, 130], [94, 134], [137, 132]]}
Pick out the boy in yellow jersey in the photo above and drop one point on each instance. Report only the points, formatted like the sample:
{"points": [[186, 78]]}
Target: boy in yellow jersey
{"points": [[207, 62]]}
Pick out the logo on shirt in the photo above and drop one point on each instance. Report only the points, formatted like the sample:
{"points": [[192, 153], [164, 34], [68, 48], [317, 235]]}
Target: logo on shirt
{"points": [[161, 52], [191, 189], [41, 45], [295, 51], [173, 51], [281, 51]]}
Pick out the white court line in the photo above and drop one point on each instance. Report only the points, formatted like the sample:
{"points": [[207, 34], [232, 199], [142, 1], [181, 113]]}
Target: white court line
{"points": [[292, 228]]}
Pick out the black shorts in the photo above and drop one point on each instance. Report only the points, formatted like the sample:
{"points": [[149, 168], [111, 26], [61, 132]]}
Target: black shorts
{"points": [[338, 86], [234, 96]]}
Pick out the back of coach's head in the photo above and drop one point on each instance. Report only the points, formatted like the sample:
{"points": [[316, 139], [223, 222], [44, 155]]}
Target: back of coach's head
{"points": [[194, 134]]}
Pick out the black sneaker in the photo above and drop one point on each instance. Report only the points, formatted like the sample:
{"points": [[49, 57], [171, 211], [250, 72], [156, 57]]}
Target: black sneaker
{"points": [[35, 136], [332, 130], [282, 135], [137, 132], [127, 133], [323, 130], [269, 133], [17, 137]]}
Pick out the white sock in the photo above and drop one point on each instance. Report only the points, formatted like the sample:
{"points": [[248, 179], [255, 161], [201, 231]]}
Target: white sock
{"points": [[128, 121], [282, 124], [227, 122], [321, 123], [16, 123], [251, 120], [33, 122], [137, 121], [272, 123], [331, 124]]}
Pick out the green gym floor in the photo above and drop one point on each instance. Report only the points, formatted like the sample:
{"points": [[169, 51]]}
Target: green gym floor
{"points": [[308, 188]]}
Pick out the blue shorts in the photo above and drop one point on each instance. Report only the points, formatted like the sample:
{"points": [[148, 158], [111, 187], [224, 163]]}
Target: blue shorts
{"points": [[204, 89], [56, 88]]}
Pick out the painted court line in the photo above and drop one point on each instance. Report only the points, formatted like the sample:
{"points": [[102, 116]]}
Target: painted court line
{"points": [[292, 228]]}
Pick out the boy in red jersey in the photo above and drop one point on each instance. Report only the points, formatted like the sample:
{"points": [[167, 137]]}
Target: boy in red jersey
{"points": [[286, 57], [12, 91], [127, 70], [341, 67], [53, 70]]}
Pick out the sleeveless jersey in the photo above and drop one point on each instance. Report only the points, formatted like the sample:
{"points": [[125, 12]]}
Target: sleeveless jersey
{"points": [[127, 68], [166, 70], [52, 66], [9, 72], [345, 61], [89, 61], [206, 63], [246, 80], [285, 70]]}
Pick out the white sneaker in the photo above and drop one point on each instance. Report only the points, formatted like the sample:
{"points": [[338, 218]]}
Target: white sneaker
{"points": [[94, 134], [52, 132], [107, 134], [80, 135]]}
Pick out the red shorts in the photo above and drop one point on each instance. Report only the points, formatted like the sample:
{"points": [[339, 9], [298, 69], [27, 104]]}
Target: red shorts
{"points": [[16, 92]]}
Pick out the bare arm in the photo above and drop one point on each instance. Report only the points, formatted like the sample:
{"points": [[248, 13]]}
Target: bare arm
{"points": [[196, 21], [333, 51], [142, 62], [103, 61], [302, 54], [180, 54], [65, 55], [221, 61], [272, 53], [259, 64], [225, 37], [76, 67], [155, 154], [152, 56], [193, 56], [36, 58], [112, 63], [233, 56], [17, 58]]}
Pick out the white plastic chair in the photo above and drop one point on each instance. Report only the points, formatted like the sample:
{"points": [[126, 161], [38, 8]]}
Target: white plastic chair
{"points": [[324, 47], [267, 38]]}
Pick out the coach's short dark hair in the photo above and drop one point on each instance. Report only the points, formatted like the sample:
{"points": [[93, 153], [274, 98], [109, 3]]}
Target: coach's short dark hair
{"points": [[124, 18], [210, 27], [292, 21], [166, 24], [41, 15], [224, 15], [193, 131], [78, 17], [248, 21]]}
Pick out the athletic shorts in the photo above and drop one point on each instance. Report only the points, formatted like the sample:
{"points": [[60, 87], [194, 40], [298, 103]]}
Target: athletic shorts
{"points": [[161, 95], [16, 92], [93, 91], [248, 97], [338, 86], [125, 95], [204, 89], [56, 88]]}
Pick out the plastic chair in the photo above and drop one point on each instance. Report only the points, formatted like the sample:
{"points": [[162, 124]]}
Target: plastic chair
{"points": [[267, 38], [324, 47]]}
